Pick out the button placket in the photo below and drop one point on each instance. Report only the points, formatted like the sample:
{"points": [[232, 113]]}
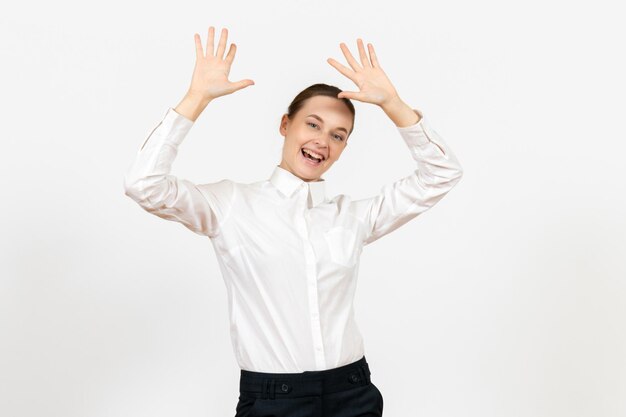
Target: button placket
{"points": [[311, 272]]}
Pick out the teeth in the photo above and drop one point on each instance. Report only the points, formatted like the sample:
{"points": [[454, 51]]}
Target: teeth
{"points": [[313, 154]]}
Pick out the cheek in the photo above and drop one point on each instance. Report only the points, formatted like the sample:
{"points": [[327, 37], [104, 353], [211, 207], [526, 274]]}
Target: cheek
{"points": [[337, 150], [292, 146]]}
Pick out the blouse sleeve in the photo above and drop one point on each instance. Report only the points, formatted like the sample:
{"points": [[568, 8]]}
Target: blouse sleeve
{"points": [[199, 207], [437, 172]]}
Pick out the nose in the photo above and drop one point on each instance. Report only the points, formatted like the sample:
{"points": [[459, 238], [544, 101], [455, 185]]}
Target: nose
{"points": [[321, 144], [321, 140]]}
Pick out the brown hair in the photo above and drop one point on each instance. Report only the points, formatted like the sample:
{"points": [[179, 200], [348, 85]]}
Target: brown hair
{"points": [[319, 89]]}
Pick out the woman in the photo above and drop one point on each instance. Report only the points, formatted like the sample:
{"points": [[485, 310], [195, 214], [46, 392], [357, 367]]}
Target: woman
{"points": [[289, 254]]}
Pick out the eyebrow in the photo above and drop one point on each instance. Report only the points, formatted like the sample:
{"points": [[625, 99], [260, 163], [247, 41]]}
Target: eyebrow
{"points": [[321, 120]]}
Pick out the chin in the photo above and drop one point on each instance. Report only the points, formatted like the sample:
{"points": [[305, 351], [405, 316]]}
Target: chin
{"points": [[308, 176]]}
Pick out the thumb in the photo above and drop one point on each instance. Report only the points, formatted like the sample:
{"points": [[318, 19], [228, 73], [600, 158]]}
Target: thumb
{"points": [[348, 94], [242, 84]]}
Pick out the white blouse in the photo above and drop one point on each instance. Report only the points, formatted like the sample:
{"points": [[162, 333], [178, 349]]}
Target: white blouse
{"points": [[289, 254]]}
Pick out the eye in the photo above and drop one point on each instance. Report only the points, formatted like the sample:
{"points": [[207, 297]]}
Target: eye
{"points": [[339, 137]]}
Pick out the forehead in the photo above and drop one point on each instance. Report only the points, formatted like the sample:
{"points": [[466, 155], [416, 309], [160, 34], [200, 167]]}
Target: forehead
{"points": [[331, 110]]}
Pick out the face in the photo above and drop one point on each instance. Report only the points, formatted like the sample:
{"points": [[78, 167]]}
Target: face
{"points": [[321, 127]]}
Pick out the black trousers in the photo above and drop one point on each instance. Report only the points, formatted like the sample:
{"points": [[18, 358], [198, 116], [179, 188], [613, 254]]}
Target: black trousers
{"points": [[346, 391]]}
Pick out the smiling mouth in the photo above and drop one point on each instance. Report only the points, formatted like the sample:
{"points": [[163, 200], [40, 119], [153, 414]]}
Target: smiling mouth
{"points": [[310, 159]]}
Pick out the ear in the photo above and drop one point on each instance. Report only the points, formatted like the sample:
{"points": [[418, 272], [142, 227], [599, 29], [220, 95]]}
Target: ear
{"points": [[284, 123]]}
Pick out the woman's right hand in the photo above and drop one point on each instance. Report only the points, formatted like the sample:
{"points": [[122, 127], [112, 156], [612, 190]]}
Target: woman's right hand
{"points": [[210, 75]]}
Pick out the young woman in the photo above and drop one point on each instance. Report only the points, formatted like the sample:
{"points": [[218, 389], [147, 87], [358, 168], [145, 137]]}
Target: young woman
{"points": [[288, 253]]}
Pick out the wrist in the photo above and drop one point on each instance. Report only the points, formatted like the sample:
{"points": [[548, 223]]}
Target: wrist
{"points": [[391, 103], [197, 97], [400, 113], [192, 105]]}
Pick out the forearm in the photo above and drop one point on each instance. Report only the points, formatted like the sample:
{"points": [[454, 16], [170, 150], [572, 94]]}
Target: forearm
{"points": [[191, 106], [400, 112]]}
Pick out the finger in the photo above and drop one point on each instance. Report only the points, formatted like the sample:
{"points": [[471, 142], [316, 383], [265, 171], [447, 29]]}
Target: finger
{"points": [[198, 42], [242, 84], [222, 45], [352, 95], [346, 52], [341, 68], [231, 54], [209, 42], [364, 59], [373, 56]]}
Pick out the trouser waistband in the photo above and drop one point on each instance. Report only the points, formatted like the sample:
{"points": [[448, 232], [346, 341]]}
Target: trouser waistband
{"points": [[302, 384]]}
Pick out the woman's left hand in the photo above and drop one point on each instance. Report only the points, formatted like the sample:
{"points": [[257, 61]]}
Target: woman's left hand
{"points": [[372, 81]]}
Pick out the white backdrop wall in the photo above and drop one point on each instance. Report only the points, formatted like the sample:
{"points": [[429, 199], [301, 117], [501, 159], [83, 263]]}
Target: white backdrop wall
{"points": [[507, 298]]}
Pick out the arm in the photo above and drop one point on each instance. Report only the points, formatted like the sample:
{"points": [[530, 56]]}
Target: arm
{"points": [[200, 208], [148, 182], [437, 172]]}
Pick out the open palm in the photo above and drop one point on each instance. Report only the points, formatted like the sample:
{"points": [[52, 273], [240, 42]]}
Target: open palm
{"points": [[374, 85], [210, 74]]}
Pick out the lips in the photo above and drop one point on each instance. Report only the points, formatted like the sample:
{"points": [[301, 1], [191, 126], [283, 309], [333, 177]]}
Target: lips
{"points": [[309, 161], [313, 151]]}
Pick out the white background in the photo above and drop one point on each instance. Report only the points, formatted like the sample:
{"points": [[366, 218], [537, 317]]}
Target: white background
{"points": [[507, 298]]}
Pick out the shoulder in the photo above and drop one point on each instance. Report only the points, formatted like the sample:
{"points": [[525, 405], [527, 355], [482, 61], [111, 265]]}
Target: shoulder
{"points": [[229, 187]]}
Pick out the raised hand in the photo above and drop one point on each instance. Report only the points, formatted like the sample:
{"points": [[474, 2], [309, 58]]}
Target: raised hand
{"points": [[374, 86], [210, 75]]}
